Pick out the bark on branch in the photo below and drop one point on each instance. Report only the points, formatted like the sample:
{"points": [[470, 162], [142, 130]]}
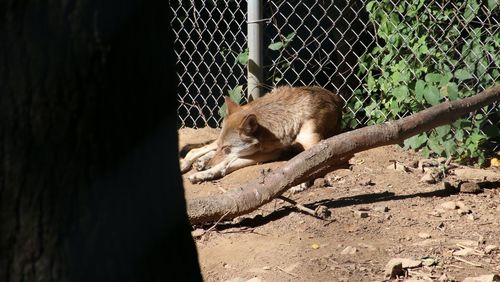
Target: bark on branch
{"points": [[327, 154]]}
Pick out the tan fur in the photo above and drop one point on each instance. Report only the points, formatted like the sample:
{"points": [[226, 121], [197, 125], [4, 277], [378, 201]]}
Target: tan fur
{"points": [[257, 132]]}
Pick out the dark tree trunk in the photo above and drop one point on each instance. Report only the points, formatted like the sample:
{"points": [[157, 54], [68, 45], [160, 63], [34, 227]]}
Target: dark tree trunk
{"points": [[90, 188]]}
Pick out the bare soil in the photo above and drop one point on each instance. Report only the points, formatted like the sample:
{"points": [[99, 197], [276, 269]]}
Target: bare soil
{"points": [[380, 213]]}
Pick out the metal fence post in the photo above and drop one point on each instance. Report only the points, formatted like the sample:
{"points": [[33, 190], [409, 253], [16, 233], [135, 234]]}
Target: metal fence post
{"points": [[255, 51]]}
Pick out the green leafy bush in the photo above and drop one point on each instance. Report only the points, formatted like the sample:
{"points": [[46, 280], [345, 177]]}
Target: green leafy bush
{"points": [[428, 52]]}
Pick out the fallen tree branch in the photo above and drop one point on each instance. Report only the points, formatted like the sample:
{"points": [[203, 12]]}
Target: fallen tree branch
{"points": [[328, 154]]}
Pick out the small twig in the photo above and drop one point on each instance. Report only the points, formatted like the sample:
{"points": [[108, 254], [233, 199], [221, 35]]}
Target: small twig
{"points": [[299, 206], [468, 262], [218, 221], [456, 266], [289, 273]]}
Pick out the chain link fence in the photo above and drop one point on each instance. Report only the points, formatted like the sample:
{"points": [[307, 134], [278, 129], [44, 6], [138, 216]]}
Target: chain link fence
{"points": [[374, 53]]}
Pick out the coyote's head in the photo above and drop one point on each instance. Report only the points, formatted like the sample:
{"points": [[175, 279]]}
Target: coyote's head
{"points": [[238, 137]]}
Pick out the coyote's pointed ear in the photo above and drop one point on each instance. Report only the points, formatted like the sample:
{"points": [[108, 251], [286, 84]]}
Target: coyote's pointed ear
{"points": [[249, 125], [231, 105]]}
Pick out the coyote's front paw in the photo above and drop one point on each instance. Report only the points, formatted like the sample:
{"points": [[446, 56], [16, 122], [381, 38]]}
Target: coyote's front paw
{"points": [[185, 165], [202, 162], [201, 176]]}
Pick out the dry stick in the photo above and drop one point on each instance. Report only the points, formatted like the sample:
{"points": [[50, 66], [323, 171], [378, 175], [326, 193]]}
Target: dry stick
{"points": [[299, 206], [468, 262], [330, 153]]}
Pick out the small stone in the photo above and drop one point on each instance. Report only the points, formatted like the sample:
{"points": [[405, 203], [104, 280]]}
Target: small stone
{"points": [[472, 217], [450, 205], [443, 278], [428, 178], [322, 212], [424, 235], [387, 217], [361, 214], [320, 182], [349, 250], [381, 209], [470, 188], [483, 278], [393, 269], [292, 267], [197, 233], [266, 268], [490, 248], [366, 182], [398, 167]]}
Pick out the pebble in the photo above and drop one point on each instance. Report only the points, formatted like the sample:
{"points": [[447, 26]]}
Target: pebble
{"points": [[349, 250], [472, 217], [266, 268], [470, 188], [450, 205], [393, 269], [464, 252], [361, 214], [398, 167], [428, 178], [366, 182], [381, 208], [490, 248], [424, 235]]}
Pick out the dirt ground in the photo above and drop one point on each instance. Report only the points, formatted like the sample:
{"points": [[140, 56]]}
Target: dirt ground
{"points": [[377, 214]]}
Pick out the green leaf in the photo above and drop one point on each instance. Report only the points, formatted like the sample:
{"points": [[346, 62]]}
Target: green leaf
{"points": [[442, 131], [450, 148], [419, 90], [463, 74], [435, 147], [223, 111], [400, 93], [433, 77], [492, 5], [452, 91], [432, 95], [235, 93], [276, 46], [290, 36], [416, 141], [243, 57]]}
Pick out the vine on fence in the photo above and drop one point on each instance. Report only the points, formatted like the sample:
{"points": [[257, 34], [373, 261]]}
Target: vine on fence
{"points": [[426, 53]]}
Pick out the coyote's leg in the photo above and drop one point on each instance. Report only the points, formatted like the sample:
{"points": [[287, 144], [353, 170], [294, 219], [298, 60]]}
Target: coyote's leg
{"points": [[227, 166], [194, 154]]}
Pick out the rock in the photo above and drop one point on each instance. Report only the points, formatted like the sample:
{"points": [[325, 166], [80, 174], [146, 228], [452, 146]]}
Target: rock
{"points": [[197, 233], [483, 278], [450, 185], [410, 263], [490, 248], [470, 188], [424, 235], [361, 214], [443, 278], [320, 182], [397, 166], [428, 178], [463, 212], [266, 267], [450, 205], [349, 250], [322, 212], [393, 269], [366, 182], [472, 217], [255, 279], [381, 208]]}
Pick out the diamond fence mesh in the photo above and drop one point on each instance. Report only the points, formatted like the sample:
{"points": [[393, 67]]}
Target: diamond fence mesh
{"points": [[387, 58]]}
